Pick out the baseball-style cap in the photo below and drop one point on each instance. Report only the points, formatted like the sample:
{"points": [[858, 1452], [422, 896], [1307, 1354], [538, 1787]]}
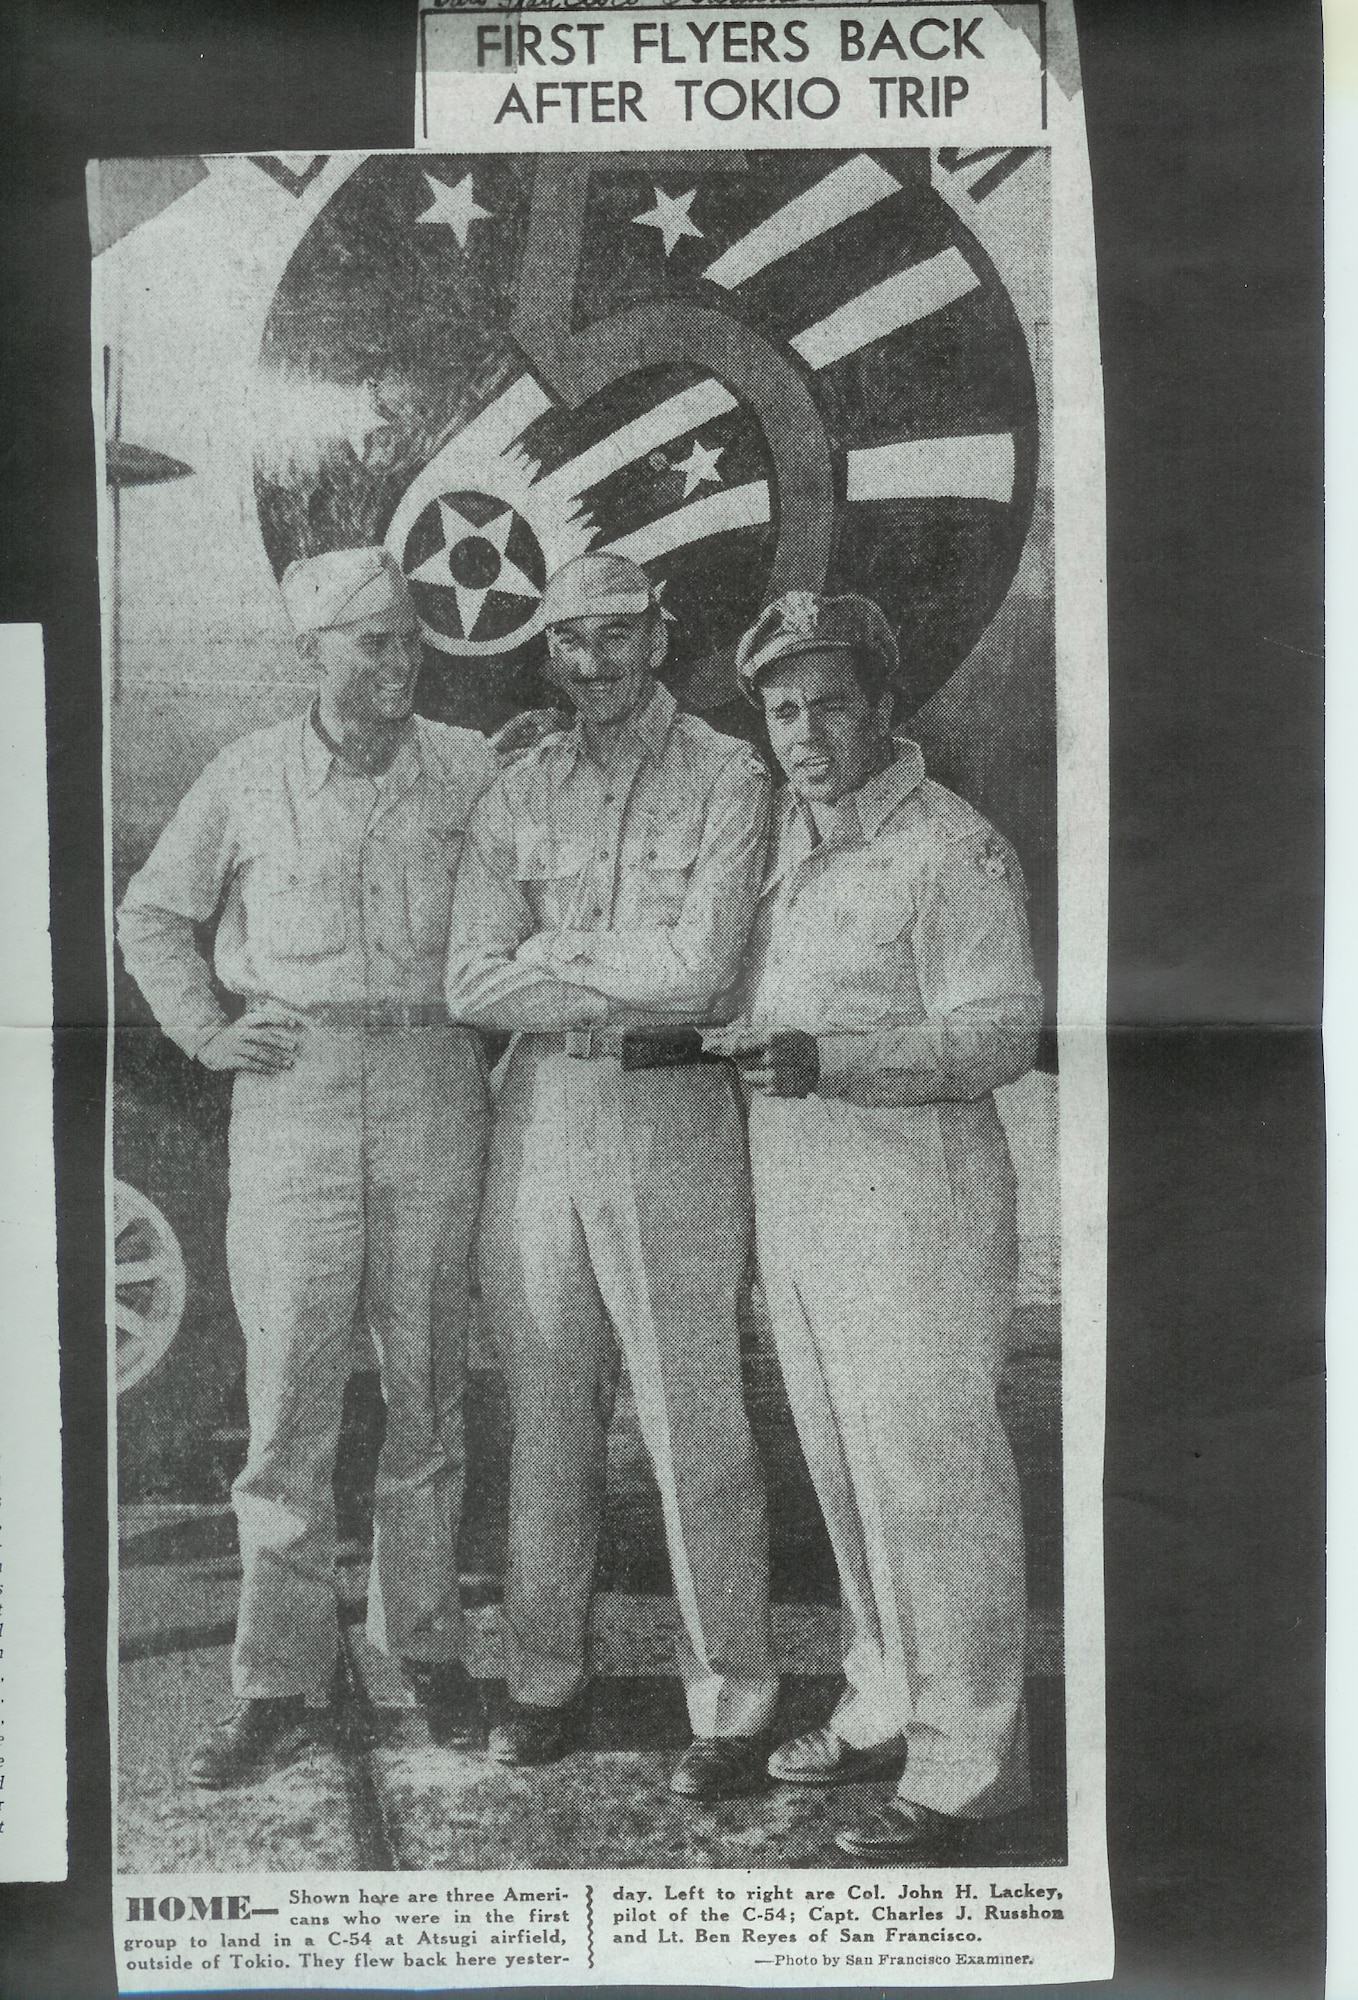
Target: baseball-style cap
{"points": [[596, 586], [342, 587], [802, 622]]}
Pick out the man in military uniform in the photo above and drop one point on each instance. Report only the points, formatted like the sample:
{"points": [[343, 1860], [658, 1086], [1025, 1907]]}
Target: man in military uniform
{"points": [[892, 990], [606, 890], [329, 844]]}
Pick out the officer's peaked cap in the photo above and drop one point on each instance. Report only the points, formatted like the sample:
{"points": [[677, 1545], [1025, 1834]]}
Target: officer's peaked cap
{"points": [[802, 622]]}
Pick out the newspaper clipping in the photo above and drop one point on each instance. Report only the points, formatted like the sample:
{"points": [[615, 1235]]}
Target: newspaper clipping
{"points": [[606, 754]]}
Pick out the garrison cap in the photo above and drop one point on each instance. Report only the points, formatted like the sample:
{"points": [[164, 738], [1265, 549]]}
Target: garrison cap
{"points": [[596, 586], [342, 587], [802, 622]]}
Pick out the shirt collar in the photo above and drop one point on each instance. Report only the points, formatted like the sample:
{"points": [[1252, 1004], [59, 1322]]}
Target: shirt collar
{"points": [[650, 727], [861, 814], [319, 755], [882, 795]]}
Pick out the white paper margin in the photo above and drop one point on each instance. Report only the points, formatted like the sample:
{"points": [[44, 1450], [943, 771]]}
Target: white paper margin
{"points": [[32, 1599]]}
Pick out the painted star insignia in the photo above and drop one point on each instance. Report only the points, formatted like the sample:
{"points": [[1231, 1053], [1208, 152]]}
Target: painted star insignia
{"points": [[473, 562], [700, 465], [456, 207], [671, 217]]}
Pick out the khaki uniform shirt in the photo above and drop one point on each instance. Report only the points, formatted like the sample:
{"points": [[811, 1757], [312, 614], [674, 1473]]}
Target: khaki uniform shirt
{"points": [[333, 887], [621, 894], [900, 941]]}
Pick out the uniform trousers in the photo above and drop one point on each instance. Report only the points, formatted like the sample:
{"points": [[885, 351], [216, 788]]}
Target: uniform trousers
{"points": [[887, 1247], [617, 1215], [355, 1177]]}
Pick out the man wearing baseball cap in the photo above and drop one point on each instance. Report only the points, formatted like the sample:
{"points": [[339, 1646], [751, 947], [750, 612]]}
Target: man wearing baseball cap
{"points": [[891, 991], [326, 848], [606, 891]]}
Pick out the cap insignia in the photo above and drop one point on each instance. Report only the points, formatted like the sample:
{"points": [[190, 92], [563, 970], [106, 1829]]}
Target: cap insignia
{"points": [[801, 613]]}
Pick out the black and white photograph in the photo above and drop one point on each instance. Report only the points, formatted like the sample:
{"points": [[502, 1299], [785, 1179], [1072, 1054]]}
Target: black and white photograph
{"points": [[670, 1331], [582, 715]]}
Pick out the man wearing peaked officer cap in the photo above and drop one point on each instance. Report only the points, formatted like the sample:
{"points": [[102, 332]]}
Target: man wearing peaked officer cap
{"points": [[890, 992], [607, 886], [329, 843], [801, 622]]}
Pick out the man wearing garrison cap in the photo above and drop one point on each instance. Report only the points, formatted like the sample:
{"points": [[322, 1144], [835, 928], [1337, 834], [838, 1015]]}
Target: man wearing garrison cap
{"points": [[606, 889], [326, 848], [891, 990]]}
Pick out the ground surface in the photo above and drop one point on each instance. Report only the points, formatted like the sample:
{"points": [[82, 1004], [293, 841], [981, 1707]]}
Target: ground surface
{"points": [[372, 1791]]}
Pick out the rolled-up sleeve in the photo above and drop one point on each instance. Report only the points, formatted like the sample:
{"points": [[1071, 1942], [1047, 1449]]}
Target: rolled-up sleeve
{"points": [[973, 963], [180, 887], [685, 967], [486, 983]]}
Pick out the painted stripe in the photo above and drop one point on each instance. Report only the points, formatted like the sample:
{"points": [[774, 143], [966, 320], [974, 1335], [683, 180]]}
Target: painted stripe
{"points": [[501, 421], [858, 185], [718, 514], [687, 411], [956, 468], [486, 438], [898, 301]]}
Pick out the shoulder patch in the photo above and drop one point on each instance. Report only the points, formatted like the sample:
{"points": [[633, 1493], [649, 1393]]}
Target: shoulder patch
{"points": [[749, 761], [992, 860]]}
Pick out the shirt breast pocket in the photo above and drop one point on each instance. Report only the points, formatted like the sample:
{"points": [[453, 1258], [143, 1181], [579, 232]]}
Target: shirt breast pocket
{"points": [[669, 854], [429, 871], [886, 919], [547, 867], [297, 910]]}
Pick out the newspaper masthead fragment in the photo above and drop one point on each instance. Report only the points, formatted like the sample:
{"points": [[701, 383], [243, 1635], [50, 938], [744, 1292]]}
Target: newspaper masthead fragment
{"points": [[606, 706]]}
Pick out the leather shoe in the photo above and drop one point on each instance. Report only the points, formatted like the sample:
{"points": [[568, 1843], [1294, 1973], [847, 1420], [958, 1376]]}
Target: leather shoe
{"points": [[720, 1767], [257, 1734], [904, 1831], [450, 1698], [822, 1758], [529, 1734]]}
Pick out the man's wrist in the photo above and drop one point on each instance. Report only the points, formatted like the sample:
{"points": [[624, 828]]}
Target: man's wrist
{"points": [[194, 1041]]}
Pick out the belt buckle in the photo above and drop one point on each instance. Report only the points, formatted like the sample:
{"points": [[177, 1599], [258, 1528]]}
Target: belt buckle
{"points": [[580, 1042]]}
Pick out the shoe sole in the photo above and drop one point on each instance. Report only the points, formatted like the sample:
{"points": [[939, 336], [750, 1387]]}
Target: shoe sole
{"points": [[938, 1851], [921, 1851], [752, 1777], [702, 1793], [863, 1774]]}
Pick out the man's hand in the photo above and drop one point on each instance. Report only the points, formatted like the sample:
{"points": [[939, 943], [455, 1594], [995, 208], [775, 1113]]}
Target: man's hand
{"points": [[784, 1064], [264, 1039], [523, 733]]}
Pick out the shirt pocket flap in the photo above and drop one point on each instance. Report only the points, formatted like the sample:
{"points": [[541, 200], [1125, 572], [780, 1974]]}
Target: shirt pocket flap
{"points": [[888, 914], [673, 844], [542, 855], [298, 909]]}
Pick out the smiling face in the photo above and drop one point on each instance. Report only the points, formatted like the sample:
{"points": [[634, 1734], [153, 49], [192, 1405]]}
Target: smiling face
{"points": [[368, 670], [826, 732], [606, 666]]}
